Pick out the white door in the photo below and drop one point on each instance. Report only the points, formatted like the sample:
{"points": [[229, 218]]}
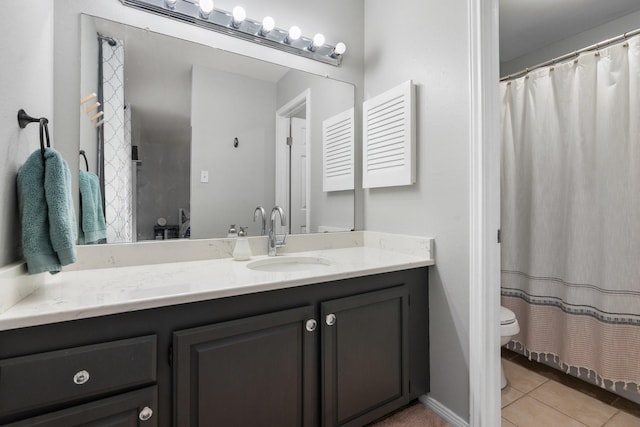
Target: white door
{"points": [[298, 176]]}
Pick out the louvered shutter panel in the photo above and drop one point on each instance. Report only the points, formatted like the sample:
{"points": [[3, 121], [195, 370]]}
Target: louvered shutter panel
{"points": [[338, 152], [389, 146]]}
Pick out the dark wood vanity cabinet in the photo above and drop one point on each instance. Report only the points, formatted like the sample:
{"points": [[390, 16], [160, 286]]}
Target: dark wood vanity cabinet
{"points": [[124, 410], [365, 356], [252, 371], [338, 353], [66, 378]]}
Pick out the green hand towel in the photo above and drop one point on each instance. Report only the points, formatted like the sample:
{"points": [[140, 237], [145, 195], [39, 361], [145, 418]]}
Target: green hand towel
{"points": [[46, 212], [93, 227]]}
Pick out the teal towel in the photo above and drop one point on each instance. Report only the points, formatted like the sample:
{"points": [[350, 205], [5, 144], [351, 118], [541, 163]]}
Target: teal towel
{"points": [[93, 228], [46, 212]]}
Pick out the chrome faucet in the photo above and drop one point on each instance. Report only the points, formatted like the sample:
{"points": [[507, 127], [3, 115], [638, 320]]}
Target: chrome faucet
{"points": [[274, 243], [259, 211]]}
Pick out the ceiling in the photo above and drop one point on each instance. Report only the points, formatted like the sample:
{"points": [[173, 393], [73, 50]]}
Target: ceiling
{"points": [[528, 25]]}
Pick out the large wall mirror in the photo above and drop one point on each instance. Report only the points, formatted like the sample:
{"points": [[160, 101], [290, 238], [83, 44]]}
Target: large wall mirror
{"points": [[189, 139]]}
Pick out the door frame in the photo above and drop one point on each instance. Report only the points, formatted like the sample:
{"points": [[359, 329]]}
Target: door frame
{"points": [[484, 218], [283, 114]]}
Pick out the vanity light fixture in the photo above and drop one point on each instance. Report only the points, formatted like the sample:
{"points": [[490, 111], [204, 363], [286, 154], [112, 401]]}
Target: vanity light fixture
{"points": [[202, 13], [239, 15], [206, 7], [318, 41], [294, 34], [268, 24], [339, 49]]}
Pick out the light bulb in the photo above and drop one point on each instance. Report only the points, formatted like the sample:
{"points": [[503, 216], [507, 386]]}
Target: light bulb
{"points": [[268, 24], [294, 33], [239, 15], [340, 48], [206, 7], [318, 40]]}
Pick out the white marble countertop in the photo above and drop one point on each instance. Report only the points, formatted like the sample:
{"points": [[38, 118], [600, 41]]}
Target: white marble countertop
{"points": [[101, 291]]}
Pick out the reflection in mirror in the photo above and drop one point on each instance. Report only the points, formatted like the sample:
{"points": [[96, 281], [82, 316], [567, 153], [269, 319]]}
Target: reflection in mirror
{"points": [[195, 138]]}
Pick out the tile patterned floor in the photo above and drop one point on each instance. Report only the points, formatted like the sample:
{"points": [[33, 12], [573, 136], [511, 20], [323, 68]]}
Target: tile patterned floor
{"points": [[538, 395], [415, 415]]}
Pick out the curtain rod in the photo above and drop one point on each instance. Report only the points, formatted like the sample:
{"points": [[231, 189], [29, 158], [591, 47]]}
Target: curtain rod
{"points": [[573, 54]]}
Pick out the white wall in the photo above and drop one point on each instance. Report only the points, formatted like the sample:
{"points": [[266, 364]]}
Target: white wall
{"points": [[429, 44], [225, 106], [587, 38], [335, 208], [26, 43]]}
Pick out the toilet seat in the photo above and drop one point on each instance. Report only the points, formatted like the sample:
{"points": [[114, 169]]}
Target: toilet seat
{"points": [[509, 325], [507, 317]]}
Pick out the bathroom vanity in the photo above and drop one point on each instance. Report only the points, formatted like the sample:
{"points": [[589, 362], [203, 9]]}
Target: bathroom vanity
{"points": [[340, 346]]}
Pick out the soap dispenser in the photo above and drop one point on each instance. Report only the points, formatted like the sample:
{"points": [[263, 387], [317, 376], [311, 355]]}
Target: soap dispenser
{"points": [[242, 250], [232, 231]]}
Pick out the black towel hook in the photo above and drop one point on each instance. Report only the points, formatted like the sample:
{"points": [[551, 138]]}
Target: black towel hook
{"points": [[86, 162], [24, 119]]}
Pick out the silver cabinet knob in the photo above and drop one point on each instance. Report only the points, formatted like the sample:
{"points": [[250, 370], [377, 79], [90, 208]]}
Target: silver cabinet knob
{"points": [[331, 319], [81, 377], [145, 414], [311, 325]]}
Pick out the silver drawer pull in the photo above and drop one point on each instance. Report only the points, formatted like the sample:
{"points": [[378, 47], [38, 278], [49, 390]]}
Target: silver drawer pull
{"points": [[81, 377], [331, 319], [145, 414], [311, 325]]}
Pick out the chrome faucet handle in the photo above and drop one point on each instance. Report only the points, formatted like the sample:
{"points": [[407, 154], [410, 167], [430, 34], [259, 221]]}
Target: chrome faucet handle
{"points": [[281, 243], [259, 210]]}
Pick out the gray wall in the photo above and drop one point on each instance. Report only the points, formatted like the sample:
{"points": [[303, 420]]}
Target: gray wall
{"points": [[334, 208], [429, 44], [586, 38], [161, 194], [27, 82], [88, 84], [225, 106]]}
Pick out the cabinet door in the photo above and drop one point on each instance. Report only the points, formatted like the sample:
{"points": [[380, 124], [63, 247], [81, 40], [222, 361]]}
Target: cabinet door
{"points": [[260, 370], [365, 356], [132, 409]]}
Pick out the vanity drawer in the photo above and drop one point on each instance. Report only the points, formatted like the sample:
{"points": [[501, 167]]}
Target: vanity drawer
{"points": [[45, 379]]}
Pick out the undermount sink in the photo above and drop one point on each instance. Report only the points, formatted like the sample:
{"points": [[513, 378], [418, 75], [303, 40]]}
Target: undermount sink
{"points": [[289, 263]]}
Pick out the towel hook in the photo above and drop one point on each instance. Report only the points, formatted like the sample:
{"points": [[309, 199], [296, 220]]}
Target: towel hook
{"points": [[86, 162], [24, 119]]}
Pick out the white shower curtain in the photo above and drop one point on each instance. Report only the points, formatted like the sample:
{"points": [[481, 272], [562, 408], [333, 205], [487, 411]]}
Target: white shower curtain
{"points": [[571, 214], [117, 147]]}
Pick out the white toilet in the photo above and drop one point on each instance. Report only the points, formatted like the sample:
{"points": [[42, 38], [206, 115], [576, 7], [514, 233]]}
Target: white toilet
{"points": [[508, 328]]}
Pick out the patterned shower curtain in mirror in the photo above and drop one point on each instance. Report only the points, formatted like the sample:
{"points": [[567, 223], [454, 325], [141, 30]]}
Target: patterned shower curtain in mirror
{"points": [[117, 147], [571, 215]]}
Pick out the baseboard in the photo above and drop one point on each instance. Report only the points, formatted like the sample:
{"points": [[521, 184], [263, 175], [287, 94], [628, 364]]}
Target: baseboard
{"points": [[445, 413]]}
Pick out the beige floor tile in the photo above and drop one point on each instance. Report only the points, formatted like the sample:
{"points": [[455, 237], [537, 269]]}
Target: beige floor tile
{"points": [[571, 402], [506, 423], [509, 395], [622, 419], [520, 378], [528, 412]]}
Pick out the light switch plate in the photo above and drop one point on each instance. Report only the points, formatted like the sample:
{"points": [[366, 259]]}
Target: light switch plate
{"points": [[204, 176]]}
